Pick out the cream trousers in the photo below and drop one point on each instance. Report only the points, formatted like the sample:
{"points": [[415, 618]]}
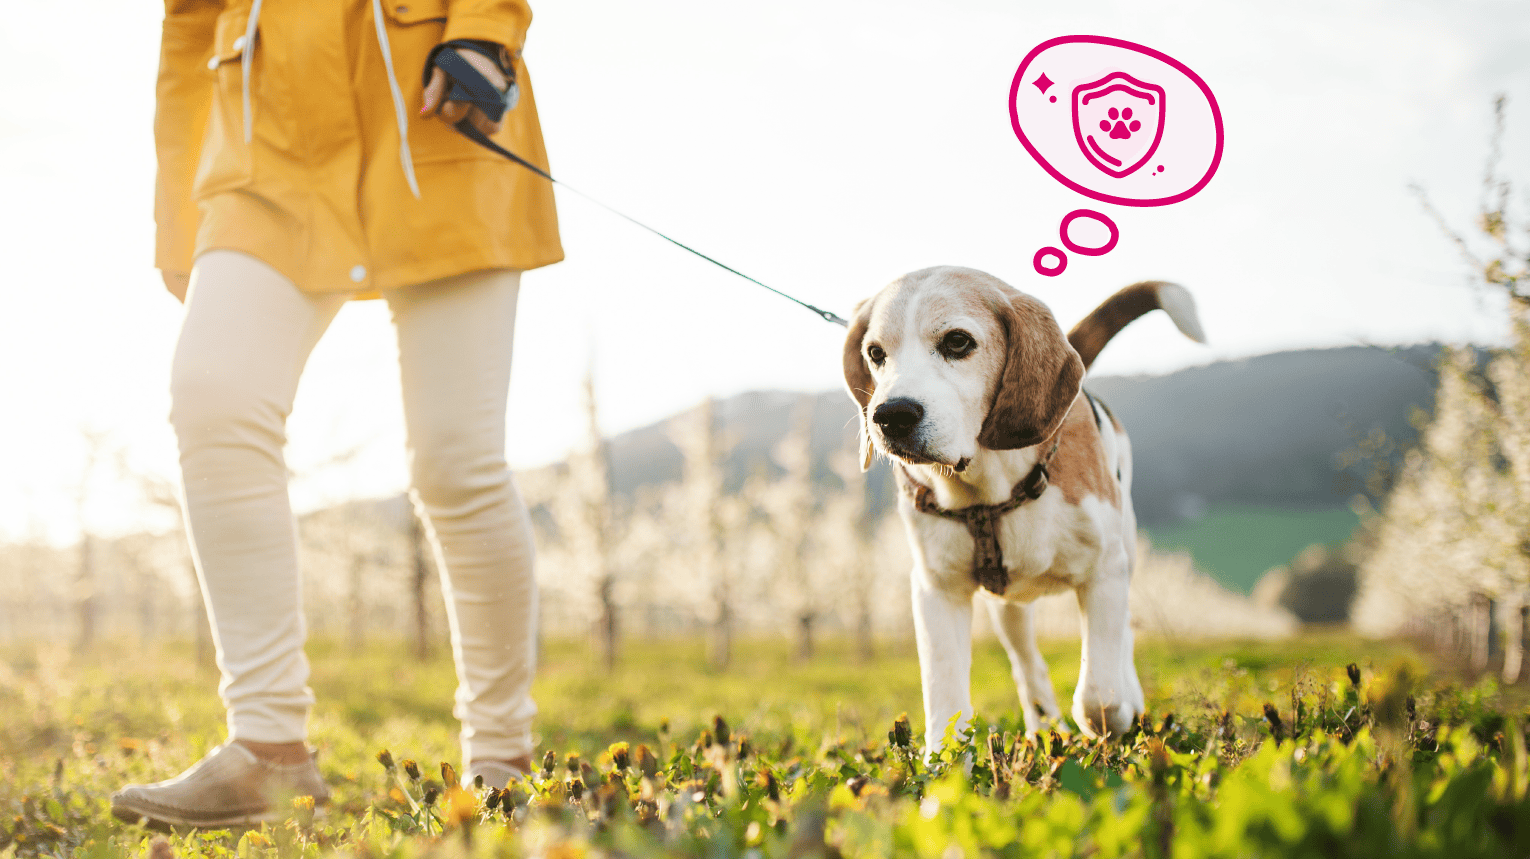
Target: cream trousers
{"points": [[247, 333]]}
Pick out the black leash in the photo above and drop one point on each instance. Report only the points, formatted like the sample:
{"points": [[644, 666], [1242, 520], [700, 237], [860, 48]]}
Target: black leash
{"points": [[469, 85]]}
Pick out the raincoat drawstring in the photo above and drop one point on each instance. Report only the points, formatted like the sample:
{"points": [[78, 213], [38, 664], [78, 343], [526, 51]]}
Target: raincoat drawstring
{"points": [[398, 99], [400, 115], [244, 67]]}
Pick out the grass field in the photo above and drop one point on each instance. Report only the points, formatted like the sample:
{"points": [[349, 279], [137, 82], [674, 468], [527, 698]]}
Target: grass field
{"points": [[1236, 544], [808, 760]]}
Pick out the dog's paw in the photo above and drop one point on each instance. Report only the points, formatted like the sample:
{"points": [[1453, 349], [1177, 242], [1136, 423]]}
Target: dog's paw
{"points": [[1097, 717], [1041, 716]]}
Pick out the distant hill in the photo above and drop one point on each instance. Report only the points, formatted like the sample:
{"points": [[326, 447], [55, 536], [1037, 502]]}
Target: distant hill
{"points": [[1237, 462], [1265, 430], [1262, 431]]}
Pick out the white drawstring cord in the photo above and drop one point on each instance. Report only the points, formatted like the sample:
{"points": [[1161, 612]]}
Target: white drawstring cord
{"points": [[244, 66], [399, 113]]}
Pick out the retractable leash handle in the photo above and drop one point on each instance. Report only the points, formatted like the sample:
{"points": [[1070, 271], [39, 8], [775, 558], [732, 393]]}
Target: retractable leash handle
{"points": [[469, 85]]}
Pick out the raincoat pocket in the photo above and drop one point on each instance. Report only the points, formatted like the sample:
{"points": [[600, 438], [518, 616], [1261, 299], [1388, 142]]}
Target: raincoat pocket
{"points": [[415, 11], [225, 161], [228, 34]]}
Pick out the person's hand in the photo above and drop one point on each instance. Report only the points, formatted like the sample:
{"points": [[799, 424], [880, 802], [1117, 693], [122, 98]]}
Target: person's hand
{"points": [[453, 111], [176, 282]]}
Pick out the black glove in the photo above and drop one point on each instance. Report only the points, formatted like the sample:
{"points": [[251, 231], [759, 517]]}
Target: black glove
{"points": [[492, 50]]}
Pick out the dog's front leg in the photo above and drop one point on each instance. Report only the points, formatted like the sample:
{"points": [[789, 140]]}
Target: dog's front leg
{"points": [[1129, 660], [943, 632], [1107, 698], [1015, 624]]}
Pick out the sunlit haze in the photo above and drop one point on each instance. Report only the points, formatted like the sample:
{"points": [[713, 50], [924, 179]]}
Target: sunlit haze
{"points": [[823, 147]]}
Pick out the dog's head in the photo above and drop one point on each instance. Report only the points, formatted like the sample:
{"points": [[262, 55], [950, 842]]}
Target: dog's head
{"points": [[946, 360]]}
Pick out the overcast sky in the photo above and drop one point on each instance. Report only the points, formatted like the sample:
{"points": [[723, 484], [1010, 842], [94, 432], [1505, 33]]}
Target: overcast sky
{"points": [[823, 146]]}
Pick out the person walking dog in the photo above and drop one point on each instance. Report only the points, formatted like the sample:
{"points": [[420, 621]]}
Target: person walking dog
{"points": [[307, 158]]}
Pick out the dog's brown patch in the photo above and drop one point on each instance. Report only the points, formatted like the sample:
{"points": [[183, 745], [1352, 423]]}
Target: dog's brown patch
{"points": [[1091, 334], [1079, 468]]}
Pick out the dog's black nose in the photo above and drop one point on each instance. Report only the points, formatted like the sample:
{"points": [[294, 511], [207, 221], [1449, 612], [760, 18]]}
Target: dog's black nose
{"points": [[898, 417]]}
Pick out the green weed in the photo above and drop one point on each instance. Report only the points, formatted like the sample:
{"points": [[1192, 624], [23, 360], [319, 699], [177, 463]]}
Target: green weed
{"points": [[1295, 749]]}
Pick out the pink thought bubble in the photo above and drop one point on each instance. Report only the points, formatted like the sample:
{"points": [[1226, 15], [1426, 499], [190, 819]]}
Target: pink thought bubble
{"points": [[1117, 122]]}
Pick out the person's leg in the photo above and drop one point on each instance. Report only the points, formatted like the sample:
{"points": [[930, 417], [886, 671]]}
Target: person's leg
{"points": [[245, 338], [247, 333], [455, 337]]}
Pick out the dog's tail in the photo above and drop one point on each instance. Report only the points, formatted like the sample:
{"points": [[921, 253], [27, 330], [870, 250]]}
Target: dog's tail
{"points": [[1090, 336]]}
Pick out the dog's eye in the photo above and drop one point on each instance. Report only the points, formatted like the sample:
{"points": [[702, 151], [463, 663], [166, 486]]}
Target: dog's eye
{"points": [[957, 344], [875, 353]]}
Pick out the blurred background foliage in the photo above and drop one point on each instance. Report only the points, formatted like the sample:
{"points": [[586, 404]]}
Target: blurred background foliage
{"points": [[1387, 489]]}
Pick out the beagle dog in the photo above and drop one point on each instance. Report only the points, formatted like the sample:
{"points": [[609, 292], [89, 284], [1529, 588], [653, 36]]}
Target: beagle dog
{"points": [[1015, 483]]}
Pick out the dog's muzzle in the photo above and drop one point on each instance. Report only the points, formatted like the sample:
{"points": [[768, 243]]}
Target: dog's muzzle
{"points": [[898, 418]]}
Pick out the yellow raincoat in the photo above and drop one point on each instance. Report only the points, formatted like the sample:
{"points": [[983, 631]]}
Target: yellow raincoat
{"points": [[321, 192]]}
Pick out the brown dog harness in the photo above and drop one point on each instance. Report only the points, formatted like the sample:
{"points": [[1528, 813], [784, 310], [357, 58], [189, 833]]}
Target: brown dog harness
{"points": [[982, 520]]}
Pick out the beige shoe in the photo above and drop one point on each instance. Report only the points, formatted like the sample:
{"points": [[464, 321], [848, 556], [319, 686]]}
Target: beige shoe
{"points": [[229, 787], [494, 774]]}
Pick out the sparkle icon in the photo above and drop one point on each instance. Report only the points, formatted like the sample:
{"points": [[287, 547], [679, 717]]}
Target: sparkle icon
{"points": [[1043, 82]]}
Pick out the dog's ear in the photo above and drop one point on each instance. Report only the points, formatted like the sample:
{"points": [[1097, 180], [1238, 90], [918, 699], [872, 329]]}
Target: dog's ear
{"points": [[1041, 377], [858, 376]]}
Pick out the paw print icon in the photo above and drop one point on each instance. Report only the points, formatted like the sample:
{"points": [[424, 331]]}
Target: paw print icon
{"points": [[1118, 121], [1120, 129]]}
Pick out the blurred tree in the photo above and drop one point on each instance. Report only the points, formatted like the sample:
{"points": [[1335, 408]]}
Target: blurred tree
{"points": [[1510, 375], [96, 451], [160, 494], [850, 534], [419, 578], [791, 504], [357, 605], [589, 522], [1455, 536], [1317, 586], [705, 446]]}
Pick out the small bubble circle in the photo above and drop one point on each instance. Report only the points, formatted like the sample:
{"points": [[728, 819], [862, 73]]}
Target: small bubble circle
{"points": [[1053, 99], [1102, 219], [1042, 268]]}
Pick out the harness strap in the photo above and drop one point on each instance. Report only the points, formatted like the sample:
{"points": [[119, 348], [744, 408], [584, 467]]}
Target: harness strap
{"points": [[982, 520], [1094, 409]]}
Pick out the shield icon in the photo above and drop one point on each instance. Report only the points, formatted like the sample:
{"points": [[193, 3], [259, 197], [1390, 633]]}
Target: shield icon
{"points": [[1118, 121]]}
